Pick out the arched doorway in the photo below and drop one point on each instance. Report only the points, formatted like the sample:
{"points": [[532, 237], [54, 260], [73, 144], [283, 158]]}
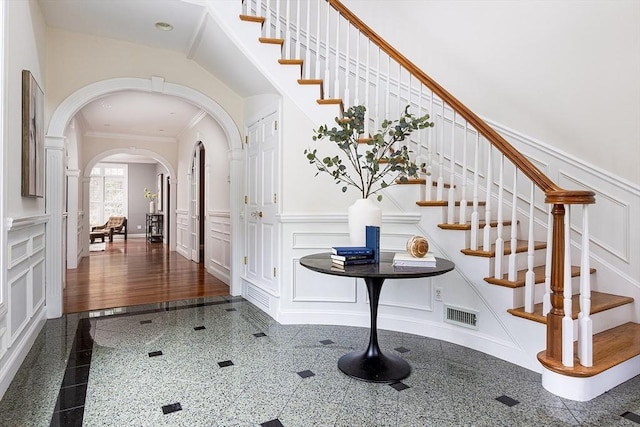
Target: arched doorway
{"points": [[54, 144]]}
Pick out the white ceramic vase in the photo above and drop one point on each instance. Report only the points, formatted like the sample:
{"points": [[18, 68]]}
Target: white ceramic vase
{"points": [[362, 213], [152, 207]]}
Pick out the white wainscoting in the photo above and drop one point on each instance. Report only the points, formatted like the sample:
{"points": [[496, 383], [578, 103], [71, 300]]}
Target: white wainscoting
{"points": [[25, 314], [182, 233], [219, 245]]}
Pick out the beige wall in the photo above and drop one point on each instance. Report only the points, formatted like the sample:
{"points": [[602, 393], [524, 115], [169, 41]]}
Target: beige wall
{"points": [[25, 49], [75, 61], [564, 72]]}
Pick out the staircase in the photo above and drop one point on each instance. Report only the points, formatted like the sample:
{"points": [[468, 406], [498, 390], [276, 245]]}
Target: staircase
{"points": [[495, 204]]}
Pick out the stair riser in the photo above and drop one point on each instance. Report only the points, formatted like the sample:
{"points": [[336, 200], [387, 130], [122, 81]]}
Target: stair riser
{"points": [[519, 293], [521, 263]]}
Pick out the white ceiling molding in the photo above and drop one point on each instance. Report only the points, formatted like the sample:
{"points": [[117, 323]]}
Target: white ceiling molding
{"points": [[129, 137]]}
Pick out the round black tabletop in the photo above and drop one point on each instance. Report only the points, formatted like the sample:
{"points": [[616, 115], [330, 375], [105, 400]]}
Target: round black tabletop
{"points": [[321, 263]]}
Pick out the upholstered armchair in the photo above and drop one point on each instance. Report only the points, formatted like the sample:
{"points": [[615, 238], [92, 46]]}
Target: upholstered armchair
{"points": [[115, 225]]}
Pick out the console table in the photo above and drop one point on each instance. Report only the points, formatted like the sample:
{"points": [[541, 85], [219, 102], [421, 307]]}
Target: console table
{"points": [[371, 364]]}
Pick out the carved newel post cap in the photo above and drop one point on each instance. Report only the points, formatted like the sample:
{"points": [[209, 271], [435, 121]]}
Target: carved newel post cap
{"points": [[417, 246]]}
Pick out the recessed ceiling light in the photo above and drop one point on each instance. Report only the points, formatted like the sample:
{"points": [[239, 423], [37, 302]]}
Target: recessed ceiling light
{"points": [[164, 26]]}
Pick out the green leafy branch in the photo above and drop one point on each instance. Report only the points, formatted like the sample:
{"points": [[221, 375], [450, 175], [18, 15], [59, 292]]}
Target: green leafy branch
{"points": [[368, 164]]}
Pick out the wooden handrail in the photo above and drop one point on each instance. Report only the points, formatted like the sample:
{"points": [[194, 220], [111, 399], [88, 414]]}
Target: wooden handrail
{"points": [[543, 182]]}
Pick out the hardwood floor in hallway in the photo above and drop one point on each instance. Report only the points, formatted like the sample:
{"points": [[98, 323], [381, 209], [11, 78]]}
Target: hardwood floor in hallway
{"points": [[136, 272]]}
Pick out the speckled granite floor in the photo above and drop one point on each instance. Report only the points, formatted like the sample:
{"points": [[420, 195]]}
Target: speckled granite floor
{"points": [[222, 362]]}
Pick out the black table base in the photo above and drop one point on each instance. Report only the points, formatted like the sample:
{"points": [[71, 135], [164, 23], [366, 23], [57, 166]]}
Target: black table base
{"points": [[378, 369]]}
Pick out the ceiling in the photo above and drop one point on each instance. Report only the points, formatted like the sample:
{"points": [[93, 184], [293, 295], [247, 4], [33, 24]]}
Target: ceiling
{"points": [[134, 115]]}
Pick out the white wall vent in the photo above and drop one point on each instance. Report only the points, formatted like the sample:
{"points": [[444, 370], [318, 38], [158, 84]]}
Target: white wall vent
{"points": [[461, 316]]}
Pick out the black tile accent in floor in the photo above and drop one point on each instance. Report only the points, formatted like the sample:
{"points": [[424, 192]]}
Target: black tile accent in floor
{"points": [[631, 416], [225, 363], [402, 349], [173, 407], [199, 328], [69, 409], [260, 334], [231, 309], [145, 322], [399, 386], [507, 400], [306, 374], [326, 342], [272, 423], [155, 353]]}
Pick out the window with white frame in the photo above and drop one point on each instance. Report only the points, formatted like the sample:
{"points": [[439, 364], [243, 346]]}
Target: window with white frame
{"points": [[108, 191]]}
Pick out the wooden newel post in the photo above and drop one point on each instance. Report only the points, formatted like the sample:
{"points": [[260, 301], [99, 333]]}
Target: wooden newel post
{"points": [[554, 318]]}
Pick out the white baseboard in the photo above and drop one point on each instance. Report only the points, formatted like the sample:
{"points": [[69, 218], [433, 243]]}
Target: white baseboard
{"points": [[18, 351]]}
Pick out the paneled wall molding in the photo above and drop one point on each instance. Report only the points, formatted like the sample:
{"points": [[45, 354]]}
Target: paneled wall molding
{"points": [[13, 224], [219, 214]]}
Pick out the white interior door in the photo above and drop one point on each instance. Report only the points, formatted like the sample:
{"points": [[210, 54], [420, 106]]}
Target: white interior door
{"points": [[262, 199]]}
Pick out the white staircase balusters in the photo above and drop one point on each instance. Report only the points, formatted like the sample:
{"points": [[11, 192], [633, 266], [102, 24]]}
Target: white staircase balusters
{"points": [[356, 96], [336, 83], [307, 51], [530, 277], [439, 151], [327, 71], [376, 107], [451, 197], [463, 200], [500, 240], [475, 218], [287, 32], [567, 321], [585, 324], [277, 26], [430, 144], [347, 70], [514, 229], [486, 233], [316, 56], [267, 20]]}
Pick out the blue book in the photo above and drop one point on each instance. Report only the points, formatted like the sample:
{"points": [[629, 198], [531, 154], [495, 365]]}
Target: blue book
{"points": [[351, 250], [372, 239], [335, 262]]}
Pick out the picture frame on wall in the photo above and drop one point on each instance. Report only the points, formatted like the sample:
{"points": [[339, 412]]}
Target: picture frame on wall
{"points": [[160, 198], [32, 137]]}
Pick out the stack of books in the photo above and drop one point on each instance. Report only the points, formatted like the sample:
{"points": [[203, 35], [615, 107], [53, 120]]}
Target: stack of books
{"points": [[403, 259], [342, 256]]}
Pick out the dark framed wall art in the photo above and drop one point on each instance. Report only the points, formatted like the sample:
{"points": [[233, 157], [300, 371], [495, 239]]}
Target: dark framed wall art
{"points": [[32, 137]]}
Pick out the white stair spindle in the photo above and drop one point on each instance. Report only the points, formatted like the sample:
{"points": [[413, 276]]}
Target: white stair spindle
{"points": [[463, 200], [307, 54], [514, 229], [475, 220], [298, 43], [451, 196], [567, 321], [318, 58], [440, 181], [267, 22], [327, 71], [585, 324], [336, 83], [367, 88], [278, 33], [287, 32], [429, 185], [499, 240], [356, 97], [546, 300], [486, 234], [376, 88], [530, 277], [347, 76]]}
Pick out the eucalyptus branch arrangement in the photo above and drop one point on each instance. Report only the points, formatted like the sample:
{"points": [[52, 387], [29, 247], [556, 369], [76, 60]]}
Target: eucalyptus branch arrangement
{"points": [[369, 164]]}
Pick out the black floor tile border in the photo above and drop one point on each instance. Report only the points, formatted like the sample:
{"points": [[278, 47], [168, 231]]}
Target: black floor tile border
{"points": [[631, 417], [73, 390]]}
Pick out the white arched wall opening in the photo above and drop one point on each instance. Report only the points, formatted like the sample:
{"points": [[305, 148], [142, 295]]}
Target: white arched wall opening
{"points": [[137, 151], [55, 173]]}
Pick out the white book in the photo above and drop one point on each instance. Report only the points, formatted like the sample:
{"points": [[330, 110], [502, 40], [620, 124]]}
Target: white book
{"points": [[403, 259]]}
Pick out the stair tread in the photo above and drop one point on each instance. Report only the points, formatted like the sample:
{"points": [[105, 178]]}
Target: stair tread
{"points": [[290, 61], [522, 246], [610, 348], [251, 18], [539, 273], [440, 203], [600, 301], [467, 225], [271, 40], [313, 82]]}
